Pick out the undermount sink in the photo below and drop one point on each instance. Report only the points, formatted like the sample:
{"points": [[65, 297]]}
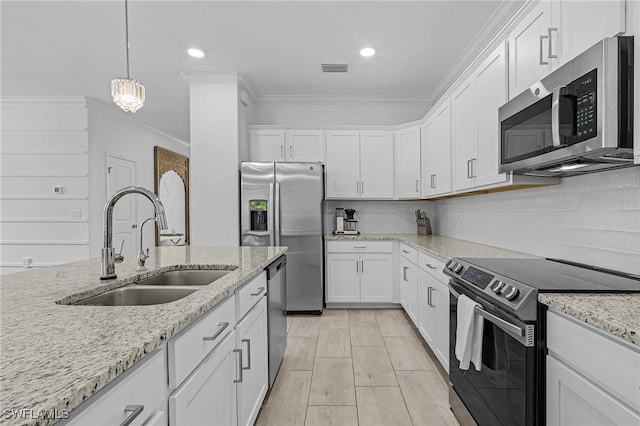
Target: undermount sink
{"points": [[132, 295], [185, 277]]}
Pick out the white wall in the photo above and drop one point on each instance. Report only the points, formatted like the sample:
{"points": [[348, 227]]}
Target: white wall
{"points": [[117, 133], [394, 217], [381, 114], [44, 144], [592, 219]]}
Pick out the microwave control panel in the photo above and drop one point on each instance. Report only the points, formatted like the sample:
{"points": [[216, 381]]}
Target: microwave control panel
{"points": [[586, 110]]}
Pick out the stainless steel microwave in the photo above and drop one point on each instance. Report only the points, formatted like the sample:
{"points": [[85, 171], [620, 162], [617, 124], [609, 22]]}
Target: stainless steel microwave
{"points": [[578, 119]]}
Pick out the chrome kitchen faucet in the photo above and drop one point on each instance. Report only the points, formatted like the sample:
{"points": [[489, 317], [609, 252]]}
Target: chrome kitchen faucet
{"points": [[109, 257]]}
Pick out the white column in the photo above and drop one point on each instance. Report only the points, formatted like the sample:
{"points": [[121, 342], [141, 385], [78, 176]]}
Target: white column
{"points": [[214, 180]]}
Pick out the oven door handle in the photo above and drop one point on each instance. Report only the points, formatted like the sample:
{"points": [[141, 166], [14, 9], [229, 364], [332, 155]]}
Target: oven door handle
{"points": [[525, 335]]}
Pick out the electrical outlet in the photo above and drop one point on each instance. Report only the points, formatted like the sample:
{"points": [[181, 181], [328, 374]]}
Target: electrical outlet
{"points": [[76, 214], [26, 262]]}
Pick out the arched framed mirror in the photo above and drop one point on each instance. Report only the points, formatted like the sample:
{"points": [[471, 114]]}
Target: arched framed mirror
{"points": [[172, 186]]}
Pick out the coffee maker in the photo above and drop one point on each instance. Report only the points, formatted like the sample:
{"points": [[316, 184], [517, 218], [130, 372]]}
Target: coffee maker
{"points": [[346, 224]]}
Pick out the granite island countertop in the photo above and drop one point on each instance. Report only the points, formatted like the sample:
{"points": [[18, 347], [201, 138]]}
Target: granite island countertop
{"points": [[54, 356], [614, 313]]}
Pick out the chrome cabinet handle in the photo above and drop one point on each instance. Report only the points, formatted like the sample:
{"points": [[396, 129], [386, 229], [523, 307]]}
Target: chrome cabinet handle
{"points": [[290, 151], [405, 251], [417, 185], [469, 169], [357, 267], [248, 367], [135, 411], [282, 151], [433, 181], [549, 31], [430, 266], [239, 352], [362, 187], [473, 168], [362, 267], [428, 296], [221, 327], [259, 292], [404, 273], [542, 61]]}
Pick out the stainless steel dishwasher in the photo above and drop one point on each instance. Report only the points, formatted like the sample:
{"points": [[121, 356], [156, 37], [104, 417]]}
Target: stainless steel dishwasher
{"points": [[277, 318]]}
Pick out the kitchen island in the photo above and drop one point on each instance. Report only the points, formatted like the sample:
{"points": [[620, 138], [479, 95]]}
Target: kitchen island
{"points": [[54, 356]]}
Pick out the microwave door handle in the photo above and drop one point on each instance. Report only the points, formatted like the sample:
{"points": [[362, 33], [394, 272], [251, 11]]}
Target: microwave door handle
{"points": [[555, 116]]}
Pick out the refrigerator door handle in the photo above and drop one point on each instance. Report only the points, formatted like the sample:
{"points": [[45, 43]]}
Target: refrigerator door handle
{"points": [[270, 215], [276, 230]]}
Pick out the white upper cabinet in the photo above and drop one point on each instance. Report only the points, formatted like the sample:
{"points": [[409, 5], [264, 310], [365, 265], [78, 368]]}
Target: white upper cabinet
{"points": [[436, 153], [305, 145], [464, 133], [267, 145], [359, 165], [407, 163], [556, 31], [287, 145]]}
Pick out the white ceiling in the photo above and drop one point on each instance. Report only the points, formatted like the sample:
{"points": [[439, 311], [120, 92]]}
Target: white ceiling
{"points": [[76, 47]]}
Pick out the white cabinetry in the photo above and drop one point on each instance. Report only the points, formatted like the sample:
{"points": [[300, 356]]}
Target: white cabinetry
{"points": [[409, 281], [139, 395], [359, 165], [359, 272], [436, 152], [407, 163], [556, 31], [582, 389], [287, 145]]}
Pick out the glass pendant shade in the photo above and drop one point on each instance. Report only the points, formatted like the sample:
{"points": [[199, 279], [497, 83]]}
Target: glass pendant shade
{"points": [[128, 94]]}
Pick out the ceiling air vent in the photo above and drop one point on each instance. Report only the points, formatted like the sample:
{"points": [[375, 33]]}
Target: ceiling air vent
{"points": [[335, 67]]}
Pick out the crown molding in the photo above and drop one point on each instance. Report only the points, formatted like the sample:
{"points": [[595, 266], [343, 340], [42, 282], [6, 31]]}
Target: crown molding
{"points": [[43, 101], [210, 77], [343, 99]]}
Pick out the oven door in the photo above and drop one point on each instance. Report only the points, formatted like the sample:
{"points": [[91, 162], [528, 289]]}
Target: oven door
{"points": [[504, 391]]}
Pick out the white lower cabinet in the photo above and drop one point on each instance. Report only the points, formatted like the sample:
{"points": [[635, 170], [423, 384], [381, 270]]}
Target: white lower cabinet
{"points": [[138, 396], [251, 340], [409, 288]]}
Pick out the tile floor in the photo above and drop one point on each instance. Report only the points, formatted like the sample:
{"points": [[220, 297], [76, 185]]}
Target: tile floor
{"points": [[356, 367]]}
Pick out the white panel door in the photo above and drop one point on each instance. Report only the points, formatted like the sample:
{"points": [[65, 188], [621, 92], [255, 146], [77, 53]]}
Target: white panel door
{"points": [[376, 277], [120, 174], [574, 401], [267, 145], [208, 396], [427, 319], [376, 165], [436, 153], [409, 289], [343, 278], [305, 146], [407, 163], [440, 298], [464, 133], [529, 48], [581, 25], [342, 170], [492, 94]]}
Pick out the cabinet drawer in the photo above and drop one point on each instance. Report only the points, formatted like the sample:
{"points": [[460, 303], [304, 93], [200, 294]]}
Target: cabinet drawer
{"points": [[250, 294], [611, 365], [409, 253], [359, 246], [192, 345], [143, 385], [432, 266]]}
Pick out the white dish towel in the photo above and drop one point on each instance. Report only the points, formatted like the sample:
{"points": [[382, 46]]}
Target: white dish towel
{"points": [[468, 334]]}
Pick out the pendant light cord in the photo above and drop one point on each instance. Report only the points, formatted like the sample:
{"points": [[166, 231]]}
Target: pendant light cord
{"points": [[126, 27]]}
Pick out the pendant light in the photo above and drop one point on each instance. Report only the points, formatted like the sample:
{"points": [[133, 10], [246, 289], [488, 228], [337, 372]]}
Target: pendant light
{"points": [[128, 94]]}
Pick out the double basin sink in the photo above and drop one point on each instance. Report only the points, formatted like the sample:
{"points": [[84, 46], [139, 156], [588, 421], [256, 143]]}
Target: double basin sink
{"points": [[161, 288]]}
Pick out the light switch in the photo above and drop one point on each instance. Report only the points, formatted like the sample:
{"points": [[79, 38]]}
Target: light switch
{"points": [[58, 189]]}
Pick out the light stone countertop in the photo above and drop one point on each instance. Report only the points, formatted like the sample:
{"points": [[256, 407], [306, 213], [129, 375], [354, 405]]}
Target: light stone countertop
{"points": [[617, 314], [55, 356]]}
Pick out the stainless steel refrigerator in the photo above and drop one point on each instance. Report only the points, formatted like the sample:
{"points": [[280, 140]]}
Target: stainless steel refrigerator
{"points": [[282, 205]]}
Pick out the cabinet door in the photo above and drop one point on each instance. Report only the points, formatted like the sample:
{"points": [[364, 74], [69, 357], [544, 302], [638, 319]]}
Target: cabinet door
{"points": [[492, 94], [409, 289], [376, 165], [427, 319], [529, 49], [581, 25], [440, 298], [436, 153], [267, 145], [208, 396], [464, 132], [342, 171], [305, 146], [376, 277], [573, 400], [251, 338], [407, 163], [343, 275]]}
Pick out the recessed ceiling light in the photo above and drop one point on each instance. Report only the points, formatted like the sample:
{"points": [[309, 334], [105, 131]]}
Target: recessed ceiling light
{"points": [[196, 53], [367, 51]]}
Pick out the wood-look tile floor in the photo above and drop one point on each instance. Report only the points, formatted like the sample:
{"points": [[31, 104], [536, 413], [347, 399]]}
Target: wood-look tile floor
{"points": [[362, 367]]}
